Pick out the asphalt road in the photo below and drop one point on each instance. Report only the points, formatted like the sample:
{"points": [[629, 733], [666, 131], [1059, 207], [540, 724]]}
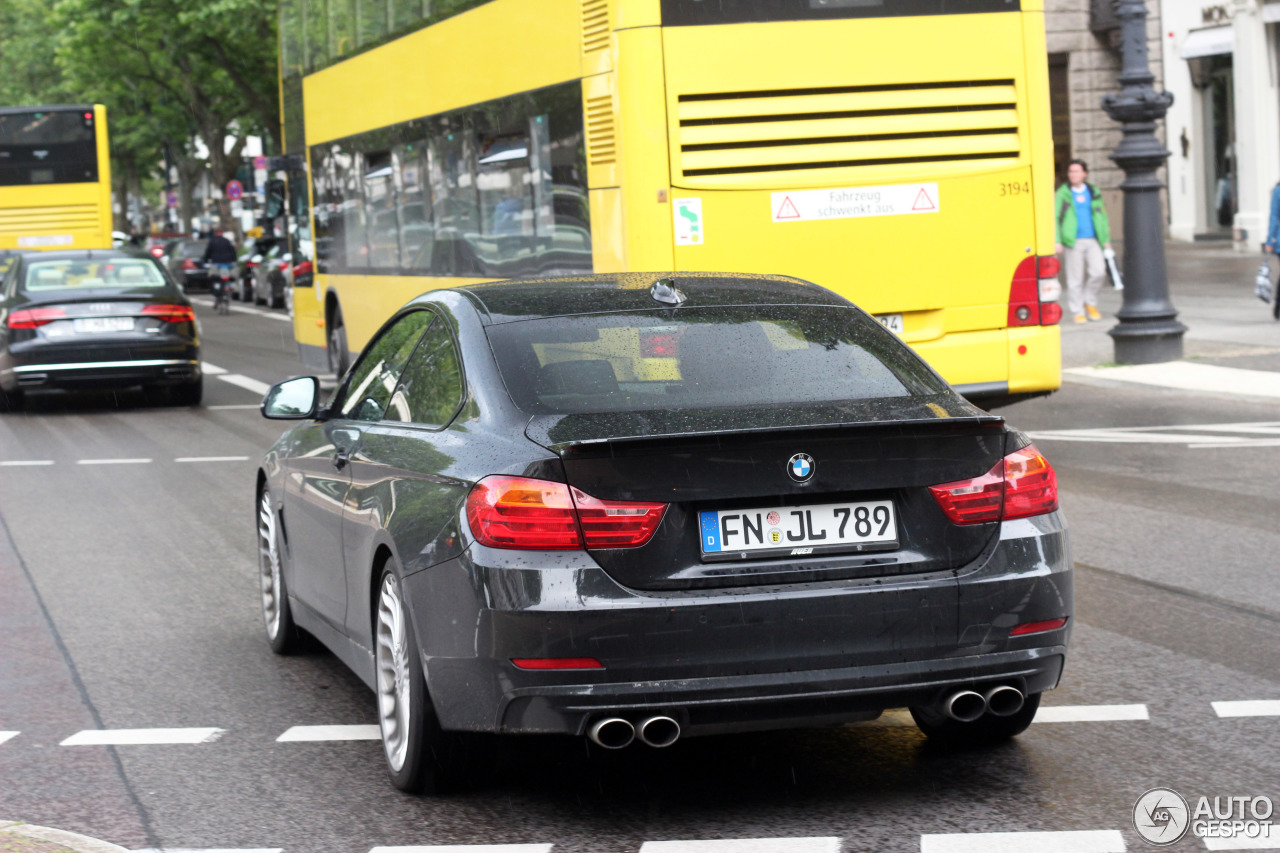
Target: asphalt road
{"points": [[129, 600]]}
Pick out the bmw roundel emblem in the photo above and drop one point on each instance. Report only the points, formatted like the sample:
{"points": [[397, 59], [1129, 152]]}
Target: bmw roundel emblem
{"points": [[801, 467]]}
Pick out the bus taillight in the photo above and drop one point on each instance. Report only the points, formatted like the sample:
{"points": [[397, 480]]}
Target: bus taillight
{"points": [[1034, 291]]}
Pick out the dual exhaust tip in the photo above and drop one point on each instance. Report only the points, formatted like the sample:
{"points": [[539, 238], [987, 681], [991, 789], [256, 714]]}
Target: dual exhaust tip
{"points": [[965, 706], [617, 733]]}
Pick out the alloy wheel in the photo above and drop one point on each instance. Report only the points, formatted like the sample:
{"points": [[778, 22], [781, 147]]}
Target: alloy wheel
{"points": [[269, 565], [392, 653]]}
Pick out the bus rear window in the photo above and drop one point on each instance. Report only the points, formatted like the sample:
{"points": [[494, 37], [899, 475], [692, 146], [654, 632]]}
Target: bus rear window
{"points": [[47, 147], [704, 358], [678, 13]]}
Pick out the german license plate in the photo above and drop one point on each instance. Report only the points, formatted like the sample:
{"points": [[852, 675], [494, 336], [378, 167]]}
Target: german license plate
{"points": [[98, 325], [797, 530], [892, 322]]}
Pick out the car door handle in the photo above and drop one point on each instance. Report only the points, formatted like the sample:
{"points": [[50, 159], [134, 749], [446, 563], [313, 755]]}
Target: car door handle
{"points": [[340, 458]]}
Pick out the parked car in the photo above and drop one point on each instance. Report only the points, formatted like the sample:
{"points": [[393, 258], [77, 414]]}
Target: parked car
{"points": [[93, 319], [254, 251], [637, 508], [184, 259], [271, 276]]}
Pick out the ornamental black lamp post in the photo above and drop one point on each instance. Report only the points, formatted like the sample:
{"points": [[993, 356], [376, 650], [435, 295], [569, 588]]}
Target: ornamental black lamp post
{"points": [[1148, 331]]}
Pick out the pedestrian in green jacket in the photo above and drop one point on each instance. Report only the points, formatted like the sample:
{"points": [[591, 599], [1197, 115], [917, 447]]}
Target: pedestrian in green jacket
{"points": [[1082, 232]]}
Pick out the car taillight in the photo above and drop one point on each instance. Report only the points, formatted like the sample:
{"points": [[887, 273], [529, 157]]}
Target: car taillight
{"points": [[658, 345], [616, 524], [31, 318], [282, 265], [170, 313], [188, 264], [156, 251], [520, 512], [1038, 627], [1020, 485], [1031, 299], [302, 269], [528, 514], [557, 663]]}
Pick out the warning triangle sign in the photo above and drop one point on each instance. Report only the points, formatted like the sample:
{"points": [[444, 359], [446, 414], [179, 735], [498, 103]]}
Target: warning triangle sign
{"points": [[787, 210], [923, 202]]}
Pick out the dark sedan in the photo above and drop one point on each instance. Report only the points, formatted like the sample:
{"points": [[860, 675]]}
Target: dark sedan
{"points": [[92, 319], [186, 264], [640, 507]]}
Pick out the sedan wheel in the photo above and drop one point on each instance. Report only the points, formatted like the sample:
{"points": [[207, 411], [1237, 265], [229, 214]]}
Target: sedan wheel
{"points": [[282, 635], [420, 755]]}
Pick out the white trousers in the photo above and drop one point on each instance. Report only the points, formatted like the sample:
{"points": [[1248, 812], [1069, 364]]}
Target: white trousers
{"points": [[1086, 269]]}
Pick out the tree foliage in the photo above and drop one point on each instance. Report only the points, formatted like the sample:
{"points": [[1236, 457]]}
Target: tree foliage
{"points": [[169, 72]]}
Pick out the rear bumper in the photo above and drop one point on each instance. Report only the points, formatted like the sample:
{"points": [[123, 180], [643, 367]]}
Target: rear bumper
{"points": [[150, 371], [737, 659]]}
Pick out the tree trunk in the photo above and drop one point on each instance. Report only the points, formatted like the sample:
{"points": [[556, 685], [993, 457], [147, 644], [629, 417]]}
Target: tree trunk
{"points": [[189, 173]]}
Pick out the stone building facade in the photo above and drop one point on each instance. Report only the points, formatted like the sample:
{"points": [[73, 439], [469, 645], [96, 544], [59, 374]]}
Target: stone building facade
{"points": [[1084, 65]]}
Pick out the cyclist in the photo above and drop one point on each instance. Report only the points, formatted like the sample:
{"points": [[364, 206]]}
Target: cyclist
{"points": [[220, 259]]}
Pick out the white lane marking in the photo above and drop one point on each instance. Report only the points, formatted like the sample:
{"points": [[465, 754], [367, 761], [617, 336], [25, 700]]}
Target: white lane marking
{"points": [[314, 733], [1248, 708], [112, 461], [745, 845], [1087, 841], [1188, 376], [1195, 436], [25, 463], [1267, 839], [254, 406], [1090, 713], [245, 382], [210, 850], [212, 369], [131, 737], [4, 736], [212, 459], [468, 848]]}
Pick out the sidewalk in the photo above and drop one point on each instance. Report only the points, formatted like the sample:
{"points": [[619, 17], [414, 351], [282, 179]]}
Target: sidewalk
{"points": [[24, 838], [1232, 344]]}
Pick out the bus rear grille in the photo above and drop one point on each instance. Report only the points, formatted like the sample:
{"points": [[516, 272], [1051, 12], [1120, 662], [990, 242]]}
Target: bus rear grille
{"points": [[25, 220], [595, 25], [738, 133], [601, 135]]}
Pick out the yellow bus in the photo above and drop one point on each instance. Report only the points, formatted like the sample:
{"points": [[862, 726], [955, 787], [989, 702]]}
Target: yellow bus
{"points": [[898, 152], [55, 178]]}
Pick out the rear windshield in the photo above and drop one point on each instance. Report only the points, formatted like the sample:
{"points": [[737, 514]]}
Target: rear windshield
{"points": [[47, 147], [677, 13], [704, 357], [66, 274]]}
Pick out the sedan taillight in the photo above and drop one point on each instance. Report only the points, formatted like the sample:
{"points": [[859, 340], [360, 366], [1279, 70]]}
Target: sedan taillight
{"points": [[31, 318], [1020, 485], [170, 313], [538, 515], [189, 264]]}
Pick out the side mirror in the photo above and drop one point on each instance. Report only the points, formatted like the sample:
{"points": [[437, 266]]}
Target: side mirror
{"points": [[292, 400]]}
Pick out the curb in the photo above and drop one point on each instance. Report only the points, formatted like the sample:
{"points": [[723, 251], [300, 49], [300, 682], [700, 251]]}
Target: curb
{"points": [[70, 840]]}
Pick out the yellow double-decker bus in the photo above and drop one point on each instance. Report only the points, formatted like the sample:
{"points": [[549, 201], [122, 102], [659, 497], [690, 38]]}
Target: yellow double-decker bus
{"points": [[55, 178], [898, 152]]}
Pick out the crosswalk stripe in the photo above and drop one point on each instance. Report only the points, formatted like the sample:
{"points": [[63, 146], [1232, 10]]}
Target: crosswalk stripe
{"points": [[1090, 713], [25, 463], [468, 848], [317, 733], [1248, 708], [130, 737], [1267, 839], [1087, 841], [745, 845], [4, 736]]}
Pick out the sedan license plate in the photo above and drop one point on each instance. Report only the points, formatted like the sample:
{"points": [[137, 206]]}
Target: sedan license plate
{"points": [[798, 530], [98, 325], [892, 322]]}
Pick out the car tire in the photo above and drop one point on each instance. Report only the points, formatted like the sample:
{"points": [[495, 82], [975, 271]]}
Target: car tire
{"points": [[986, 731], [283, 636], [12, 401], [339, 358], [421, 756], [189, 394]]}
